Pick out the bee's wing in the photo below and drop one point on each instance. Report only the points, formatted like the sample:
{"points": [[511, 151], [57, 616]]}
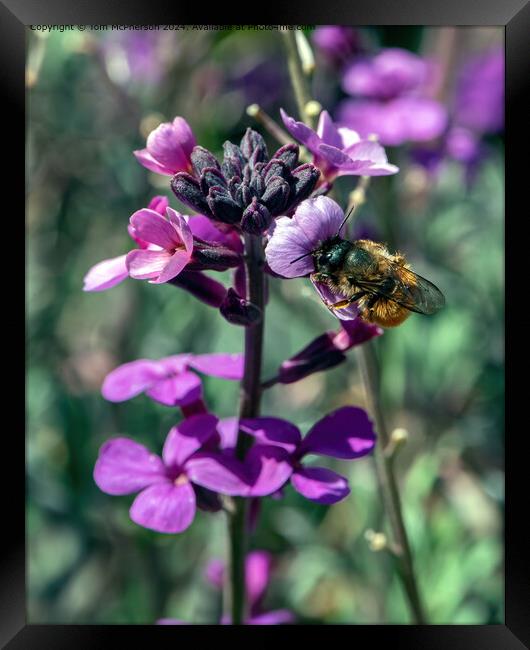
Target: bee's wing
{"points": [[410, 291]]}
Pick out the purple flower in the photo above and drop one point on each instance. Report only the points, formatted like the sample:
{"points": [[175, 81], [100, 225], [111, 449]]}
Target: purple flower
{"points": [[167, 500], [171, 250], [346, 433], [400, 120], [168, 148], [391, 73], [325, 352], [170, 381], [258, 567], [340, 151], [314, 222], [393, 86], [336, 42], [479, 101], [109, 273]]}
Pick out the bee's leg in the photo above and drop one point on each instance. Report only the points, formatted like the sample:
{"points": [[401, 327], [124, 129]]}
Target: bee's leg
{"points": [[342, 304]]}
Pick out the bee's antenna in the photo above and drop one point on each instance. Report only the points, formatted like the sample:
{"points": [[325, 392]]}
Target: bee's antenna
{"points": [[301, 257], [345, 219]]}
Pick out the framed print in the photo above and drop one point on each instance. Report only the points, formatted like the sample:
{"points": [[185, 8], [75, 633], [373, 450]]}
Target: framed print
{"points": [[264, 324]]}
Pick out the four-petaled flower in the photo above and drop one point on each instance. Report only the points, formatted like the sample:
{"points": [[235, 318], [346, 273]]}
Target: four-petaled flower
{"points": [[170, 380], [168, 486], [168, 148], [340, 151], [346, 433], [314, 222]]}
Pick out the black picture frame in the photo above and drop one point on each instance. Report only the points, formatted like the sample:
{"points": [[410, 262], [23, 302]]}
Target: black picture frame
{"points": [[514, 15]]}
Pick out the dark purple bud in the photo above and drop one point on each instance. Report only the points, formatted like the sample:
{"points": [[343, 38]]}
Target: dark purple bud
{"points": [[257, 183], [251, 142], [320, 354], [188, 190], [256, 218], [276, 168], [288, 154], [213, 257], [201, 286], [239, 311], [233, 161], [304, 179], [259, 155], [222, 205], [210, 177], [276, 195], [233, 187], [202, 158]]}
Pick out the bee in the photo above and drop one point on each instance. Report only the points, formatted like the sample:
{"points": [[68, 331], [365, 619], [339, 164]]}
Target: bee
{"points": [[384, 287]]}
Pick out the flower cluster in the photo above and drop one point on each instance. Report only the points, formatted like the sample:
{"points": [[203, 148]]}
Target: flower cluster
{"points": [[248, 189], [391, 91], [199, 452]]}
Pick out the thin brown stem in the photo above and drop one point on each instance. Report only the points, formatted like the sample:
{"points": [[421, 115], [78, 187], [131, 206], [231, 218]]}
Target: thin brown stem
{"points": [[388, 485]]}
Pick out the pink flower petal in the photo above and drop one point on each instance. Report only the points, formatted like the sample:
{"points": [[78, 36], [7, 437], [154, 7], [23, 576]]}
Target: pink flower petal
{"points": [[226, 366], [166, 508], [268, 468], [187, 437], [165, 147], [344, 433], [155, 229], [145, 264], [327, 131], [178, 390], [174, 266], [219, 473], [276, 617], [320, 484], [258, 566], [184, 135], [301, 132], [146, 159], [183, 230], [125, 466], [106, 274], [131, 379]]}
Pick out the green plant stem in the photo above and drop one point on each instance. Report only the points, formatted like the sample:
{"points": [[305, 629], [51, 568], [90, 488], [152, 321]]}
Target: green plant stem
{"points": [[249, 408], [298, 78], [388, 485]]}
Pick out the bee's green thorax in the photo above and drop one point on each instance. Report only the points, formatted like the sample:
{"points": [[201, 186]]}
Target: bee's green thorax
{"points": [[331, 255]]}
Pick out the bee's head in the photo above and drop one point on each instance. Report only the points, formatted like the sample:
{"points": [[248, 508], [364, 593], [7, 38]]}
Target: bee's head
{"points": [[329, 258]]}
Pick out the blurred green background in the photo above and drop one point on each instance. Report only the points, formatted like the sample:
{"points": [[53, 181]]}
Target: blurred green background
{"points": [[92, 99]]}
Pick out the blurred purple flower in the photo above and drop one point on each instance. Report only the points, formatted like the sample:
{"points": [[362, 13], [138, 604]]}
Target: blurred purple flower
{"points": [[170, 381], [168, 148], [346, 433], [325, 352], [339, 151], [314, 222], [258, 566], [167, 500], [261, 82], [479, 103], [393, 85], [109, 273], [336, 42]]}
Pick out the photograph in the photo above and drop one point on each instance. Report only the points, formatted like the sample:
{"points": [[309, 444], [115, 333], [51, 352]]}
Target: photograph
{"points": [[265, 325]]}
